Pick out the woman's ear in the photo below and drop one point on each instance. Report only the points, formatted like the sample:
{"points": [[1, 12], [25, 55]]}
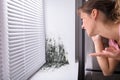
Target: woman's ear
{"points": [[94, 13]]}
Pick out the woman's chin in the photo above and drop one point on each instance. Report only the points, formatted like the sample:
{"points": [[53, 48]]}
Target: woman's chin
{"points": [[91, 35]]}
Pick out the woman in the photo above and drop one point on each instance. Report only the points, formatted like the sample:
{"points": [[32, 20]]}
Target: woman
{"points": [[101, 19]]}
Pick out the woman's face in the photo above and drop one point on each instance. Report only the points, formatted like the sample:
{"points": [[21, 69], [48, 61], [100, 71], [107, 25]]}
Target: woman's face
{"points": [[88, 23]]}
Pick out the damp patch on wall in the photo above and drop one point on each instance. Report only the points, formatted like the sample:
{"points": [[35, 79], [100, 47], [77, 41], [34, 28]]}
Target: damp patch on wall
{"points": [[56, 55]]}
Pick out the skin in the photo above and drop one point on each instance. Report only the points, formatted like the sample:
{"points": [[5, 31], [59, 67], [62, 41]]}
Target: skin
{"points": [[97, 26]]}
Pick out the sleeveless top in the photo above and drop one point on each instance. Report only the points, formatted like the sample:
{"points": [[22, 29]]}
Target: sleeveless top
{"points": [[113, 43]]}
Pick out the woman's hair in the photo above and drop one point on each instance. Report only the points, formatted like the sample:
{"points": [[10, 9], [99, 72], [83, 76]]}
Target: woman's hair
{"points": [[111, 8], [117, 10]]}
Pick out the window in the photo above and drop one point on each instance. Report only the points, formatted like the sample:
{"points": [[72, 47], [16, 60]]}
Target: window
{"points": [[22, 38]]}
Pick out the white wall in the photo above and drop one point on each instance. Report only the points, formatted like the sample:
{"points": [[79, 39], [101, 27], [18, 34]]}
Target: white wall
{"points": [[60, 22]]}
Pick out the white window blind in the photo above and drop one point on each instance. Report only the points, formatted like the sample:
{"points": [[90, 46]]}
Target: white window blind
{"points": [[24, 40], [0, 57]]}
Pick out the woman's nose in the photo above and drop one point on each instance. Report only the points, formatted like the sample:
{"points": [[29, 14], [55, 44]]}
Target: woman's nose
{"points": [[82, 27]]}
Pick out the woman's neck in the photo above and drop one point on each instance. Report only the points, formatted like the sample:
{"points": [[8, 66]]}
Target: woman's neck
{"points": [[110, 31]]}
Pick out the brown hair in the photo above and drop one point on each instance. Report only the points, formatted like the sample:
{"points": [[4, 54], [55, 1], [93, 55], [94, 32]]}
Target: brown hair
{"points": [[117, 10], [111, 8]]}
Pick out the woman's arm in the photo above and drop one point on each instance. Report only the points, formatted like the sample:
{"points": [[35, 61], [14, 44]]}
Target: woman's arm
{"points": [[106, 64]]}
